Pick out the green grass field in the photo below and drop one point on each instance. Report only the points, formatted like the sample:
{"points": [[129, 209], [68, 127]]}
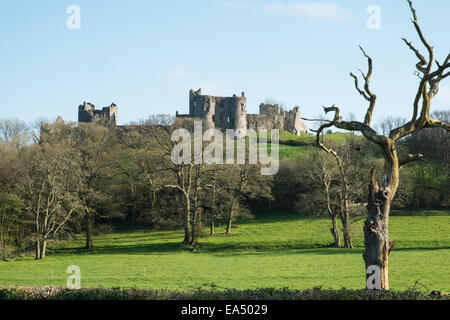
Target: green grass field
{"points": [[270, 251], [291, 145]]}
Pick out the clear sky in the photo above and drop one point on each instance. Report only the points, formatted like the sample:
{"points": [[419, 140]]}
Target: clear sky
{"points": [[146, 55]]}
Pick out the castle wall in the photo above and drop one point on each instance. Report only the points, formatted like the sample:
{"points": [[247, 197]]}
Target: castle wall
{"points": [[219, 112], [262, 121], [88, 114], [231, 113], [270, 109], [293, 122], [216, 112]]}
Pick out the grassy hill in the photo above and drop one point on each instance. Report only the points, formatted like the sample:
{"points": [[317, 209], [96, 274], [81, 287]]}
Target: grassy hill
{"points": [[292, 146], [276, 250]]}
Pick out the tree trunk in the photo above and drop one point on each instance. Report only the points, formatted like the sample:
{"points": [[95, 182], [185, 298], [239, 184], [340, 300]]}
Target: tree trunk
{"points": [[230, 216], [88, 226], [187, 226], [345, 218], [187, 234], [43, 249], [196, 226], [377, 242], [38, 250], [335, 232], [211, 233], [197, 212], [230, 219]]}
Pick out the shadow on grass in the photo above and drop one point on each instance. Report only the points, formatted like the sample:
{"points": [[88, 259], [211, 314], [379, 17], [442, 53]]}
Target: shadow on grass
{"points": [[420, 248], [274, 217], [420, 213], [149, 248], [225, 249]]}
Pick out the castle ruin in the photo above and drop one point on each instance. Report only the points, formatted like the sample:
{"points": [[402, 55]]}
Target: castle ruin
{"points": [[88, 114], [216, 112], [231, 113]]}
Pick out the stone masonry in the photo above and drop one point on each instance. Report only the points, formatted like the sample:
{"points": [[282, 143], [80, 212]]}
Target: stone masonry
{"points": [[231, 113], [216, 112], [88, 114]]}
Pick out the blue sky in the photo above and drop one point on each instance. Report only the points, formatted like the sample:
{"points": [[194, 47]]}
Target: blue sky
{"points": [[146, 55]]}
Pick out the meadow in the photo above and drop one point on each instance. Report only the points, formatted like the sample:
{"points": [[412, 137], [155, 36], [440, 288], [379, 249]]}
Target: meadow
{"points": [[271, 251]]}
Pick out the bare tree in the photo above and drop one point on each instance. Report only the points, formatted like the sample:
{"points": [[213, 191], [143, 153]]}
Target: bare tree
{"points": [[91, 159], [339, 173], [325, 171], [235, 184], [48, 190], [377, 242], [160, 127], [387, 124], [14, 133]]}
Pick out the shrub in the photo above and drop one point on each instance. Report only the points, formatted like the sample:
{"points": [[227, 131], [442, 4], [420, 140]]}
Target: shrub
{"points": [[210, 292]]}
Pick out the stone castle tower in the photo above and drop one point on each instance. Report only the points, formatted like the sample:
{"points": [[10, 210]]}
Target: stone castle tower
{"points": [[219, 112], [88, 114], [231, 113], [216, 112]]}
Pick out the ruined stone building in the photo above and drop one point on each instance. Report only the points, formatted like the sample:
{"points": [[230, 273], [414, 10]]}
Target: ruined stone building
{"points": [[215, 112], [88, 114], [231, 113], [218, 112]]}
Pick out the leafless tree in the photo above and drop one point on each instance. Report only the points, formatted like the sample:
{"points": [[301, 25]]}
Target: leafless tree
{"points": [[14, 134], [387, 124], [324, 169], [377, 242], [49, 191]]}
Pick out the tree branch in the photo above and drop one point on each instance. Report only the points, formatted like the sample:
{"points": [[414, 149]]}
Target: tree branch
{"points": [[423, 62], [337, 122], [422, 38], [367, 93], [409, 158], [357, 87], [427, 90], [433, 123]]}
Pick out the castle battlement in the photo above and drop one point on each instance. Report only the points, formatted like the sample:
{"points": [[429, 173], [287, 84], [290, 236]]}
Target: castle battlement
{"points": [[88, 114], [216, 112], [231, 113]]}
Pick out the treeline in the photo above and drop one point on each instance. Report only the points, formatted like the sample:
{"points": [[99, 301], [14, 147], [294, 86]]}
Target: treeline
{"points": [[61, 180], [303, 185], [74, 178]]}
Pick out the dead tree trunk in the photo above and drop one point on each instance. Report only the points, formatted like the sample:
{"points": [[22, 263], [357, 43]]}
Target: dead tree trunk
{"points": [[377, 243]]}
